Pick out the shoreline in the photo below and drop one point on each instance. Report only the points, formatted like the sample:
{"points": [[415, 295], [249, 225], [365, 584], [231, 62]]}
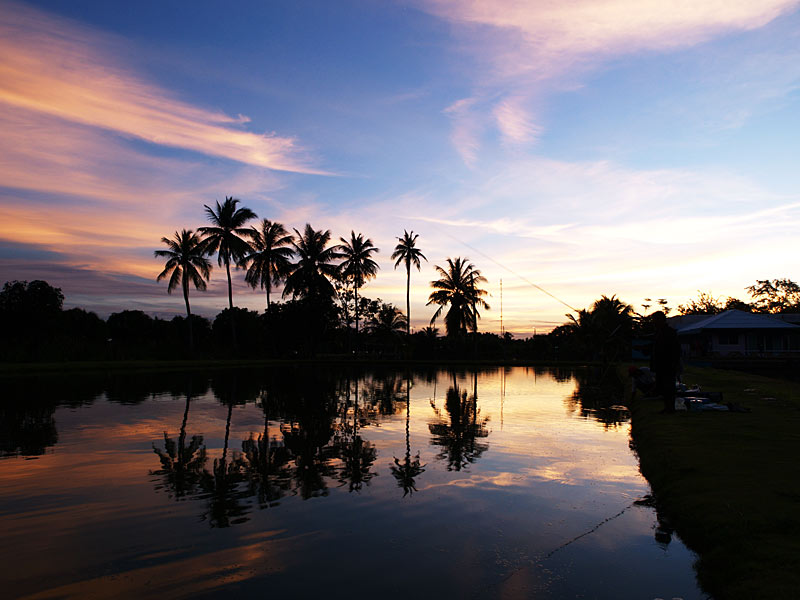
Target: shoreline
{"points": [[727, 482]]}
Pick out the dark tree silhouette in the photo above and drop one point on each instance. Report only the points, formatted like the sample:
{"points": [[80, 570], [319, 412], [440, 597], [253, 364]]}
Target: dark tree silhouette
{"points": [[186, 263], [406, 252], [458, 288], [357, 266], [311, 274], [270, 259], [225, 236]]}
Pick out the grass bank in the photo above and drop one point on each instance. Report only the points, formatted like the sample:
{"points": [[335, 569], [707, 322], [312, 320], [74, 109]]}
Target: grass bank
{"points": [[730, 482]]}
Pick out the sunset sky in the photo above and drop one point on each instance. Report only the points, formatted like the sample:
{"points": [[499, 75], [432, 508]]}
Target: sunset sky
{"points": [[641, 148]]}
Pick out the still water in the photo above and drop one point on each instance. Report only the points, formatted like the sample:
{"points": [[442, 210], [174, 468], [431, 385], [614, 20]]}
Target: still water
{"points": [[501, 483]]}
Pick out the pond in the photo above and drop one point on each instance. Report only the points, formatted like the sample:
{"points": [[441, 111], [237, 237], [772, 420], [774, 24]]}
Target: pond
{"points": [[329, 483]]}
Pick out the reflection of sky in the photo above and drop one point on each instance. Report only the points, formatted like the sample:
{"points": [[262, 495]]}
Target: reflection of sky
{"points": [[592, 147], [547, 477]]}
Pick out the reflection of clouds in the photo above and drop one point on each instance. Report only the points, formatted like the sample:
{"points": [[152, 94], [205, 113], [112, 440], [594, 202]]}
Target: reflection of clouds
{"points": [[187, 577]]}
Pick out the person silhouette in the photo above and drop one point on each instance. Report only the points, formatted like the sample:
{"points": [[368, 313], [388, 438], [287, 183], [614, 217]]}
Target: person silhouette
{"points": [[665, 359]]}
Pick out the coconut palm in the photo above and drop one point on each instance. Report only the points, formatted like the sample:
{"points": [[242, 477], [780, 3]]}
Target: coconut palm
{"points": [[458, 288], [357, 265], [311, 274], [225, 236], [407, 252], [270, 258], [186, 263]]}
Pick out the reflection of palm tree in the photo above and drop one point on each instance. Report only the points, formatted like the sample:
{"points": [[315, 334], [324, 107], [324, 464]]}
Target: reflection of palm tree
{"points": [[181, 465], [357, 265], [406, 472], [225, 235], [357, 454], [266, 464], [221, 486], [269, 259], [457, 435], [407, 252], [307, 437], [458, 288], [186, 264]]}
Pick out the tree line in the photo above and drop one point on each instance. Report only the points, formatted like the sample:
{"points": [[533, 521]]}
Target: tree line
{"points": [[315, 273]]}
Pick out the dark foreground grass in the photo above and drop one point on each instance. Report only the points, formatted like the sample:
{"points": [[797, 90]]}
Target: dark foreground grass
{"points": [[730, 482]]}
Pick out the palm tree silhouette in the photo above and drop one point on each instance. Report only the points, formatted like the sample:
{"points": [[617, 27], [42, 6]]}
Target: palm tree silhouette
{"points": [[357, 265], [270, 259], [458, 287], [186, 262], [407, 252], [311, 274], [388, 323], [225, 235]]}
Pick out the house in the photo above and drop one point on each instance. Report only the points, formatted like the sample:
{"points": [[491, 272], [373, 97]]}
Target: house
{"points": [[737, 333]]}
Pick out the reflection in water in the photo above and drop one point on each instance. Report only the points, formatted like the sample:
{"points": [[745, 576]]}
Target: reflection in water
{"points": [[307, 433], [181, 464], [407, 471], [458, 433], [551, 477], [599, 394], [266, 463], [27, 429], [357, 455]]}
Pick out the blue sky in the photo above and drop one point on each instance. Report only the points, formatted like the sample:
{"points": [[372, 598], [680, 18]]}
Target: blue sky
{"points": [[644, 149]]}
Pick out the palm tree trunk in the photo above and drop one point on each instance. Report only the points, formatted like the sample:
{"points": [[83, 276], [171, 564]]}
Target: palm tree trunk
{"points": [[268, 289], [188, 310], [230, 303], [230, 286], [408, 298], [356, 288]]}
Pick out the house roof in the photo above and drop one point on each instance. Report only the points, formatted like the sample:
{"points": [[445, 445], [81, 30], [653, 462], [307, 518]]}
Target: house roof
{"points": [[736, 319]]}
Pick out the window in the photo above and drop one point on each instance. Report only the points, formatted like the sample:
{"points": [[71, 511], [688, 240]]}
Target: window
{"points": [[728, 339]]}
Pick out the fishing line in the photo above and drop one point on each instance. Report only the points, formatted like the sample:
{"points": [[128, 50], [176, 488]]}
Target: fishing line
{"points": [[502, 266]]}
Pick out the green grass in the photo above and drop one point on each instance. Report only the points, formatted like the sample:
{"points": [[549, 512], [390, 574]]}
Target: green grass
{"points": [[730, 482]]}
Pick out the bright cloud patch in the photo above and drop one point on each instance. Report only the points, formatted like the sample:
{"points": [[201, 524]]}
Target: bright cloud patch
{"points": [[54, 68]]}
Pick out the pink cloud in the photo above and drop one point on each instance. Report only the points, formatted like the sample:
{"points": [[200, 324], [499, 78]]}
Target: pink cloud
{"points": [[57, 68]]}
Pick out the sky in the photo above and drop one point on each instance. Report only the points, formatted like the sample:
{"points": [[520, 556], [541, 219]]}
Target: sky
{"points": [[640, 148]]}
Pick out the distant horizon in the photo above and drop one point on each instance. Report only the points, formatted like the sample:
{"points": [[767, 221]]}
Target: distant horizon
{"points": [[592, 148]]}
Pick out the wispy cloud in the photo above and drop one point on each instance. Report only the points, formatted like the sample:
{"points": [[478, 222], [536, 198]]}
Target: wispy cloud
{"points": [[524, 51], [56, 68]]}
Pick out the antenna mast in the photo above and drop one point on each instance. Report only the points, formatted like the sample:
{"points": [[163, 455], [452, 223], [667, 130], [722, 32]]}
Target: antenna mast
{"points": [[502, 331]]}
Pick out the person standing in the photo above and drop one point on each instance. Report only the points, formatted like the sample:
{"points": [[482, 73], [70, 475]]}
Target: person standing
{"points": [[665, 359]]}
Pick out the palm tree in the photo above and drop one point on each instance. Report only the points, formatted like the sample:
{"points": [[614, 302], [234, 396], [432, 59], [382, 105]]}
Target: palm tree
{"points": [[270, 257], [458, 287], [407, 252], [310, 276], [186, 263], [357, 265], [225, 235]]}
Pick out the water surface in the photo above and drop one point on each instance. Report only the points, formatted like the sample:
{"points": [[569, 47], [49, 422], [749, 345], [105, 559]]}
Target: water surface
{"points": [[505, 483]]}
